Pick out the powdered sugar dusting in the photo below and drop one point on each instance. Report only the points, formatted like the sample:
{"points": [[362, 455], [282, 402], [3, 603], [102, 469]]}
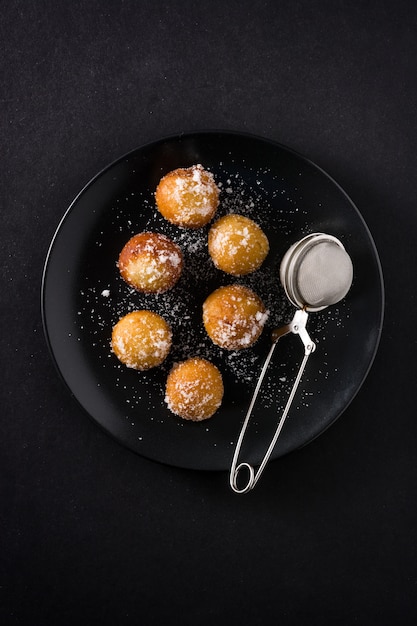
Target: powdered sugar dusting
{"points": [[188, 394], [240, 322], [194, 195]]}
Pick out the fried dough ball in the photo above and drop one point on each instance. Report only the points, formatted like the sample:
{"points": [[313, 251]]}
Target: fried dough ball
{"points": [[188, 197], [151, 262], [141, 340], [234, 317], [194, 389], [237, 245]]}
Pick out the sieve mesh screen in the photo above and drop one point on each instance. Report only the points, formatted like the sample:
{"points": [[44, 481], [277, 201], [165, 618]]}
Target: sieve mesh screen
{"points": [[324, 275]]}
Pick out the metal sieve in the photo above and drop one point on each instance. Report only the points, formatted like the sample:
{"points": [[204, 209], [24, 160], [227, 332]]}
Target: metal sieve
{"points": [[315, 272]]}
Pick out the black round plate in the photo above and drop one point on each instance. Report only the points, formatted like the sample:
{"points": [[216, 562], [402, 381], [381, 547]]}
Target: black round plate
{"points": [[83, 296]]}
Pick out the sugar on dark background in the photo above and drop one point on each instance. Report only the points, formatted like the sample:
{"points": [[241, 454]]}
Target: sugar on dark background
{"points": [[93, 533]]}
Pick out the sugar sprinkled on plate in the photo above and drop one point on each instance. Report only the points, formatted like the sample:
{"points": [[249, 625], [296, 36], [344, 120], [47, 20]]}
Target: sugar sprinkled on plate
{"points": [[181, 306]]}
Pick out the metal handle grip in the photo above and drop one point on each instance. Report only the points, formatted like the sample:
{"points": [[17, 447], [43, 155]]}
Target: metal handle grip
{"points": [[298, 327]]}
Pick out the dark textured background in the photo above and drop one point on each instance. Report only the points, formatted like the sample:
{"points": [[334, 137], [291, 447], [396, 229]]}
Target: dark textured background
{"points": [[93, 534]]}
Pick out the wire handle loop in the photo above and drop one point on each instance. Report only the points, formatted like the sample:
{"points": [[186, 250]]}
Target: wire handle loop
{"points": [[298, 327]]}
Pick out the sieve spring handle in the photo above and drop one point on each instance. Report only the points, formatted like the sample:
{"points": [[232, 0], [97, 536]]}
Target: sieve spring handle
{"points": [[298, 327]]}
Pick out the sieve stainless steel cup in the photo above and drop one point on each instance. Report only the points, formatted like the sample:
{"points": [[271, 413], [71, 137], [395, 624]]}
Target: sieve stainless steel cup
{"points": [[315, 273]]}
